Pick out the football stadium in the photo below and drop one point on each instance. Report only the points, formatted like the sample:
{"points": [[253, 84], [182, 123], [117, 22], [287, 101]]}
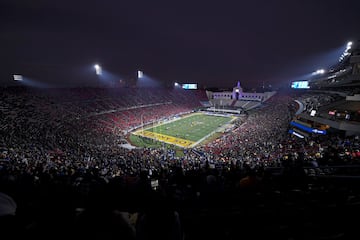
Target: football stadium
{"points": [[276, 157], [92, 147]]}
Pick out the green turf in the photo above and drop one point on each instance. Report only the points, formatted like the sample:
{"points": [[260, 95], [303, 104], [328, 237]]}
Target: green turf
{"points": [[193, 127], [151, 143]]}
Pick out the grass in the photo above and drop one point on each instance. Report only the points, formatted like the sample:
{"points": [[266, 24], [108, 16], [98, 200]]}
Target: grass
{"points": [[192, 128], [212, 138], [140, 141], [152, 143]]}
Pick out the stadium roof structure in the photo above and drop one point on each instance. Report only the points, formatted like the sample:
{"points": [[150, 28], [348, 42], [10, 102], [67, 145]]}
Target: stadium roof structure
{"points": [[345, 73]]}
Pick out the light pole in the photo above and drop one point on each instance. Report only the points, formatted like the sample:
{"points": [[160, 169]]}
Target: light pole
{"points": [[142, 122], [143, 137]]}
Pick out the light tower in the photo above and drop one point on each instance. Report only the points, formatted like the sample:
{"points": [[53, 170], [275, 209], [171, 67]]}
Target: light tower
{"points": [[140, 74], [98, 69]]}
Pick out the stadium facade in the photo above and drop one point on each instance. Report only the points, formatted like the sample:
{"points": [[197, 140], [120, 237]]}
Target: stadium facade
{"points": [[236, 100]]}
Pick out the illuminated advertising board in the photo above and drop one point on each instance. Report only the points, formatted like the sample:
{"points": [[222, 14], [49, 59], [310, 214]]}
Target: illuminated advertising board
{"points": [[307, 129], [189, 86], [300, 85]]}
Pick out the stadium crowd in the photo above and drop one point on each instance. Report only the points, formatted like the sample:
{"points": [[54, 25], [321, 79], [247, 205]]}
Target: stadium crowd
{"points": [[315, 100], [61, 172]]}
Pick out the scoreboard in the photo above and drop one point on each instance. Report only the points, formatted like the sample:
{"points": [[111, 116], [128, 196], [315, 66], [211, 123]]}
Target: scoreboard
{"points": [[189, 86]]}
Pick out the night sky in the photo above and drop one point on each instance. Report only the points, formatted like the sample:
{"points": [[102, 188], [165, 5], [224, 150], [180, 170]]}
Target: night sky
{"points": [[213, 43]]}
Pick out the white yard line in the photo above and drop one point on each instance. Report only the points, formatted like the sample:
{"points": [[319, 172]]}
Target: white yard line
{"points": [[205, 137], [192, 145]]}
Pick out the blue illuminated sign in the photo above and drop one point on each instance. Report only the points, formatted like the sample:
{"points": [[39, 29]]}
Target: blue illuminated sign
{"points": [[189, 86], [300, 85], [307, 129]]}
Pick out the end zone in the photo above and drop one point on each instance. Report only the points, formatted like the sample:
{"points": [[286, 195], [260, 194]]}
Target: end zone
{"points": [[165, 138]]}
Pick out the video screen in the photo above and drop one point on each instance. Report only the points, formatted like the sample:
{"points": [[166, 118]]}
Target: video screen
{"points": [[189, 86], [300, 85]]}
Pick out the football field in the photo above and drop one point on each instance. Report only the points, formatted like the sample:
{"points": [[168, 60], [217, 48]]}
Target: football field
{"points": [[185, 131]]}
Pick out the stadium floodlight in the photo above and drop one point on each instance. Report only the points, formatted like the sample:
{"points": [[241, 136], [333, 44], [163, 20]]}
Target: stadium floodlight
{"points": [[349, 44], [176, 84], [18, 77], [319, 71], [98, 69], [140, 74]]}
